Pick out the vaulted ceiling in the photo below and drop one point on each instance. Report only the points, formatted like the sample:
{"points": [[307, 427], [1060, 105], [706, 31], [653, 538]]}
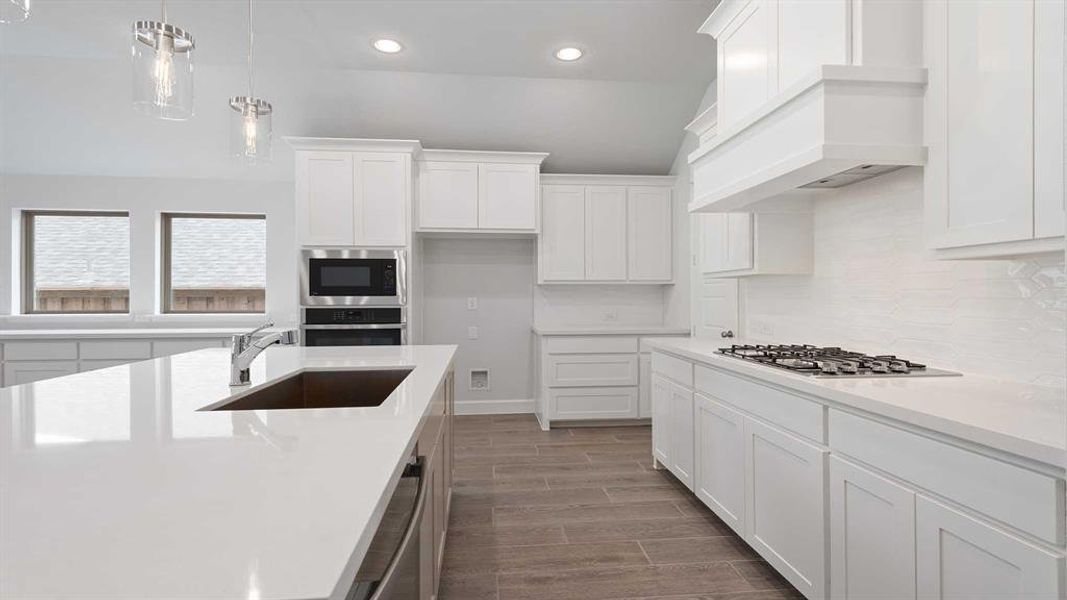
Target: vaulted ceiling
{"points": [[474, 74]]}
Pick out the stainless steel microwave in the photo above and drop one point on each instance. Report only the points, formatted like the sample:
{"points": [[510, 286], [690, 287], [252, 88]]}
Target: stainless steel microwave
{"points": [[350, 277]]}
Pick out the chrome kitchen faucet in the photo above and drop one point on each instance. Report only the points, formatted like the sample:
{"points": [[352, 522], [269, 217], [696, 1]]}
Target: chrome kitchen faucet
{"points": [[245, 350]]}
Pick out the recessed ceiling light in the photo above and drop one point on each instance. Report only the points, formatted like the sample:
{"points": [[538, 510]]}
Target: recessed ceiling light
{"points": [[568, 54], [388, 46]]}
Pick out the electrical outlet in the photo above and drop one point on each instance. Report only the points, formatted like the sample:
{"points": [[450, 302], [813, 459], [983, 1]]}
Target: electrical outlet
{"points": [[611, 314], [472, 332], [472, 303]]}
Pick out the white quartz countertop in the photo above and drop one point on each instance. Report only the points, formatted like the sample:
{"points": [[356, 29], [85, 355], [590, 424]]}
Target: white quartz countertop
{"points": [[114, 485], [609, 330], [1024, 420], [121, 333]]}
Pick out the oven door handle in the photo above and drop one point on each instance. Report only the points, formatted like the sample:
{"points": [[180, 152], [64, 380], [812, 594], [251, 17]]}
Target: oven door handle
{"points": [[356, 327]]}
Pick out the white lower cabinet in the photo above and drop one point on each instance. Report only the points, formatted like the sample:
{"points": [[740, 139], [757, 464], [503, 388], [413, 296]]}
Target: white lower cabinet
{"points": [[872, 535], [961, 558], [785, 504], [661, 415], [644, 395], [720, 460], [681, 434], [18, 373], [582, 403]]}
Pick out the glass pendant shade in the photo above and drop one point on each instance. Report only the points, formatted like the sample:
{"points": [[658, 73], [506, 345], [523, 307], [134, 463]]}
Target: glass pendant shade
{"points": [[14, 11], [250, 129], [162, 70]]}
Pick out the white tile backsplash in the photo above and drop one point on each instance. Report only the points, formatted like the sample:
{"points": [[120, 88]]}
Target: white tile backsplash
{"points": [[876, 289], [594, 304]]}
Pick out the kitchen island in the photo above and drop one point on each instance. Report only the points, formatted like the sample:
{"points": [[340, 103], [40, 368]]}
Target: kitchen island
{"points": [[115, 484]]}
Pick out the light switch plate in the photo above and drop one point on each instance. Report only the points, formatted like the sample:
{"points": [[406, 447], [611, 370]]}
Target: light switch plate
{"points": [[472, 303], [472, 332]]}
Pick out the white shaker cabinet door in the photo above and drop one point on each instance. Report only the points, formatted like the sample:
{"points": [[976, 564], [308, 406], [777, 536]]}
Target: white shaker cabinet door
{"points": [[681, 432], [18, 373], [711, 229], [324, 192], [649, 233], [720, 460], [381, 199], [980, 121], [785, 502], [872, 535], [960, 558], [605, 233], [644, 390], [661, 416], [507, 196], [562, 239], [739, 255], [448, 195], [1049, 71]]}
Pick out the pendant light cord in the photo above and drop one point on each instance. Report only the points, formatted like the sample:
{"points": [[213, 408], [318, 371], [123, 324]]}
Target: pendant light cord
{"points": [[164, 2], [251, 93]]}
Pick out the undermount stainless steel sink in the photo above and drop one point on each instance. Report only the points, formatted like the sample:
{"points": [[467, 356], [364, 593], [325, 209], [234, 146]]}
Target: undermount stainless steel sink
{"points": [[322, 389]]}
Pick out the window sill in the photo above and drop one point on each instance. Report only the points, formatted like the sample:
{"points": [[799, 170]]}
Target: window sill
{"points": [[89, 321]]}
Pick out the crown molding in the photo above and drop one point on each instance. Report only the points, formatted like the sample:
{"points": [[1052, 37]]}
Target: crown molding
{"points": [[353, 144], [483, 156]]}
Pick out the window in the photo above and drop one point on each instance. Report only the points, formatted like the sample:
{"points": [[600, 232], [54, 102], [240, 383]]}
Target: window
{"points": [[214, 263], [76, 262]]}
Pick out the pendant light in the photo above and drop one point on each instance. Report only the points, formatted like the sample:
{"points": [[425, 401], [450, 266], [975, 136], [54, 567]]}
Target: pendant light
{"points": [[250, 131], [162, 69], [14, 11]]}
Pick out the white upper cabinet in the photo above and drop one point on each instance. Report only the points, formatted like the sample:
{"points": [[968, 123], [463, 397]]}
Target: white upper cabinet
{"points": [[605, 229], [353, 192], [382, 184], [746, 244], [605, 233], [448, 195], [563, 243], [649, 232], [507, 196], [325, 209], [478, 191], [994, 127]]}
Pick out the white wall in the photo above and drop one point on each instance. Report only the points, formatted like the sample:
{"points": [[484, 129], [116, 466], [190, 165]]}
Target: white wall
{"points": [[875, 289], [501, 274], [144, 199]]}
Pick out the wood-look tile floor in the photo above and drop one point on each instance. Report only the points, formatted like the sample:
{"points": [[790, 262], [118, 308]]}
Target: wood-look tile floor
{"points": [[579, 514]]}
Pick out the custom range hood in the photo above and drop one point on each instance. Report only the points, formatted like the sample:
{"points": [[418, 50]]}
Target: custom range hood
{"points": [[828, 125]]}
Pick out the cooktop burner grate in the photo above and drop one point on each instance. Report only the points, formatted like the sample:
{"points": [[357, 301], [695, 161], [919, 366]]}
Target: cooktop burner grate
{"points": [[831, 362]]}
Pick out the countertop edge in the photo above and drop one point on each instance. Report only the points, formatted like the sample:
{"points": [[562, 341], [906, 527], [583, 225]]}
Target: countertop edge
{"points": [[642, 330], [1031, 450]]}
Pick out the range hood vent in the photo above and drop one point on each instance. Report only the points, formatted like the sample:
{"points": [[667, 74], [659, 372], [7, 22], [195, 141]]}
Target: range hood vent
{"points": [[860, 173], [840, 125]]}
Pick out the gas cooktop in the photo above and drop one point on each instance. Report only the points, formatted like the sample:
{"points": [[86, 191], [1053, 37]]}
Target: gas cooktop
{"points": [[830, 362]]}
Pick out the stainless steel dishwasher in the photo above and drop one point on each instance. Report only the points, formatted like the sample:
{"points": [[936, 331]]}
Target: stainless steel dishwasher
{"points": [[391, 569]]}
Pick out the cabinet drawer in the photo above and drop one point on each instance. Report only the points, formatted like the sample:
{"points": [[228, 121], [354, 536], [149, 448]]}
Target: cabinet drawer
{"points": [[677, 369], [117, 349], [40, 350], [567, 370], [594, 403], [781, 408], [601, 344], [1019, 497], [171, 347]]}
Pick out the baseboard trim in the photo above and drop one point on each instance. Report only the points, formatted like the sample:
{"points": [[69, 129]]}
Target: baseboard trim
{"points": [[494, 407]]}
